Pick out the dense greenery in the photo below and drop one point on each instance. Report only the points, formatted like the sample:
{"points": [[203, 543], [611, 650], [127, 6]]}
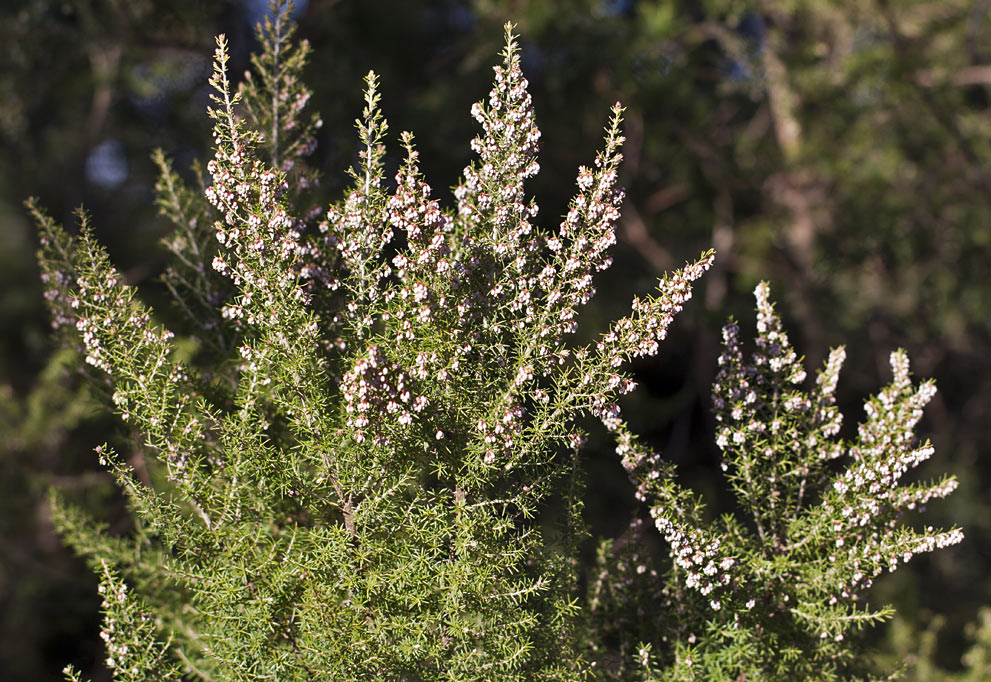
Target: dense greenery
{"points": [[348, 448], [891, 113]]}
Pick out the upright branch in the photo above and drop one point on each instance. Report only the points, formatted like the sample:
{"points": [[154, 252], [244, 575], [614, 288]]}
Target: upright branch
{"points": [[275, 96], [813, 536]]}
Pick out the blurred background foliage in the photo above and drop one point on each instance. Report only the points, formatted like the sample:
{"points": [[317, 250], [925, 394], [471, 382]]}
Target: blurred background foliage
{"points": [[840, 149]]}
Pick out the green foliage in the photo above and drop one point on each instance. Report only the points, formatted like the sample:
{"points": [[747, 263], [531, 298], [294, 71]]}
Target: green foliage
{"points": [[916, 650], [351, 440]]}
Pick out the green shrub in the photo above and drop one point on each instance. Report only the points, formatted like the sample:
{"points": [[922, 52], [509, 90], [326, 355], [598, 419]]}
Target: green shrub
{"points": [[356, 434]]}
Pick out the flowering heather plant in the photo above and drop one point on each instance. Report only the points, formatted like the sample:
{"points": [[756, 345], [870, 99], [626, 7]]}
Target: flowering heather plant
{"points": [[351, 435], [772, 593]]}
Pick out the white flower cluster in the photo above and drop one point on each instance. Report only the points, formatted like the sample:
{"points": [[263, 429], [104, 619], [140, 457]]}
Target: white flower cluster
{"points": [[109, 633], [507, 151], [767, 423], [867, 498], [640, 333], [585, 238], [777, 441], [427, 257], [705, 563], [499, 254], [643, 466], [696, 552], [257, 231], [354, 232], [375, 391], [128, 633]]}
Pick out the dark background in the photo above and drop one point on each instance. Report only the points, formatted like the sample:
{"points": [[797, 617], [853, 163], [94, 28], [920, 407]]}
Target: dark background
{"points": [[839, 149]]}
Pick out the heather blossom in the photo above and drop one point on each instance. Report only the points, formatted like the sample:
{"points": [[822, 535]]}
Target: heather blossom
{"points": [[813, 538], [361, 445]]}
